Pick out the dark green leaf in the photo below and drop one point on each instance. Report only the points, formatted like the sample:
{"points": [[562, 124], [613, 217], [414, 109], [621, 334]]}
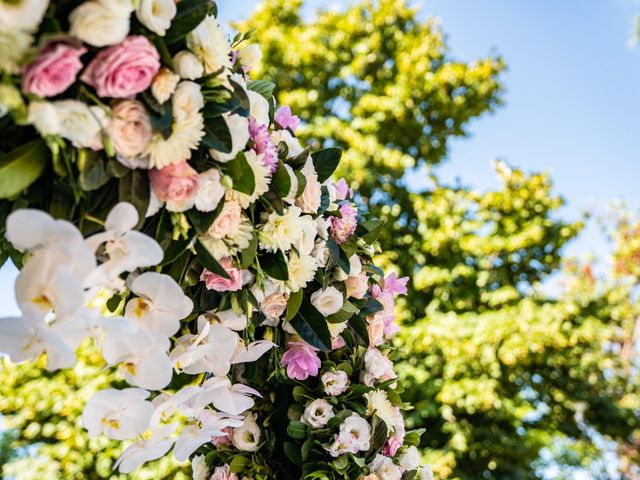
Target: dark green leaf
{"points": [[295, 299], [312, 327], [208, 262], [281, 181], [302, 182], [274, 265], [134, 188], [379, 434], [93, 174], [217, 135], [241, 173], [326, 161], [298, 430], [21, 167], [359, 327], [248, 255], [201, 221], [292, 451], [190, 14]]}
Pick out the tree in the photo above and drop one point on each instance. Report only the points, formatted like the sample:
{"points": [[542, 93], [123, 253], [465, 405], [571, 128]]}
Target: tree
{"points": [[496, 370]]}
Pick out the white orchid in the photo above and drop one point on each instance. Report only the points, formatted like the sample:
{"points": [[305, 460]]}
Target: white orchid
{"points": [[226, 397], [160, 304], [119, 414], [183, 401], [126, 249], [211, 424], [142, 356], [142, 451]]}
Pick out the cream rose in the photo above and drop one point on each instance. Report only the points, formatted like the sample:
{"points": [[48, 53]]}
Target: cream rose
{"points": [[164, 84], [130, 128], [210, 190], [328, 301], [239, 128], [227, 222], [187, 65], [156, 15], [98, 23], [23, 14], [357, 285]]}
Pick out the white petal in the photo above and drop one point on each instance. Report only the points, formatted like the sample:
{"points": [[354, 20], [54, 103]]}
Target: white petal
{"points": [[122, 218], [252, 352]]}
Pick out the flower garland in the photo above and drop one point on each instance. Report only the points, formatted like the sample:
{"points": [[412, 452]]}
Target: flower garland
{"points": [[158, 202]]}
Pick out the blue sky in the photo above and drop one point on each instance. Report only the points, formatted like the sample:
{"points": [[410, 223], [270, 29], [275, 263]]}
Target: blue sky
{"points": [[572, 100]]}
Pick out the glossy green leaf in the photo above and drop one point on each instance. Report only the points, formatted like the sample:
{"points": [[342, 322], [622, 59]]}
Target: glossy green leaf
{"points": [[21, 167]]}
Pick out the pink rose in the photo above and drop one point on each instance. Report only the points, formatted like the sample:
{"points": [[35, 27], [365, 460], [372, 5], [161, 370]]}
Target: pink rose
{"points": [[311, 197], [227, 222], [130, 128], [223, 473], [275, 305], [176, 184], [357, 285], [285, 119], [376, 329], [123, 70], [218, 283], [301, 361], [54, 70]]}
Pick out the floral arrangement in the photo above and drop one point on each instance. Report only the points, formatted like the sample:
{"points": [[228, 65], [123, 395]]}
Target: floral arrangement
{"points": [[159, 205]]}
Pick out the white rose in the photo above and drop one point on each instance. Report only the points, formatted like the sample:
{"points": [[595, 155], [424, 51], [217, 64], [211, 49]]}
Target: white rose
{"points": [[249, 56], [187, 65], [384, 468], [81, 124], [317, 413], [335, 383], [14, 44], [44, 117], [305, 243], [199, 468], [377, 366], [239, 128], [410, 460], [327, 301], [98, 24], [23, 14], [247, 436], [209, 42], [259, 109], [156, 15], [210, 191], [164, 84]]}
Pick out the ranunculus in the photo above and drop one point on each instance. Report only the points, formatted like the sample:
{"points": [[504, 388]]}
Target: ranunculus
{"points": [[425, 473], [156, 15], [223, 473], [311, 197], [301, 361], [210, 190], [24, 14], [343, 227], [123, 70], [318, 413], [54, 70], [164, 84], [176, 185], [187, 65], [357, 285], [227, 221], [130, 128], [285, 119], [216, 282], [335, 383], [327, 301], [99, 23]]}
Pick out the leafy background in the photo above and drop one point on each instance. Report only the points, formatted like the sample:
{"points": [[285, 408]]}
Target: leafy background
{"points": [[515, 370]]}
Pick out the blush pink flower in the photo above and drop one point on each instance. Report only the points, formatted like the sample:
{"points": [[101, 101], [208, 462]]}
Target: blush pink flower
{"points": [[223, 473], [176, 184], [285, 119], [123, 70], [225, 439], [54, 70], [342, 189], [392, 446], [301, 360], [216, 282], [263, 144], [395, 285], [343, 227]]}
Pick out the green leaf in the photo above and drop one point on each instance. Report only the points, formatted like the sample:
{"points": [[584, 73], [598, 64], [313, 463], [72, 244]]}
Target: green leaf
{"points": [[326, 161], [239, 463], [208, 262], [373, 227], [190, 14], [275, 265], [379, 434], [342, 316], [306, 448], [302, 182], [312, 327], [293, 305], [292, 452], [298, 430], [201, 221], [359, 327], [281, 181], [217, 135], [21, 167], [93, 174], [175, 250], [242, 174], [412, 438], [248, 255], [263, 87], [134, 188]]}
